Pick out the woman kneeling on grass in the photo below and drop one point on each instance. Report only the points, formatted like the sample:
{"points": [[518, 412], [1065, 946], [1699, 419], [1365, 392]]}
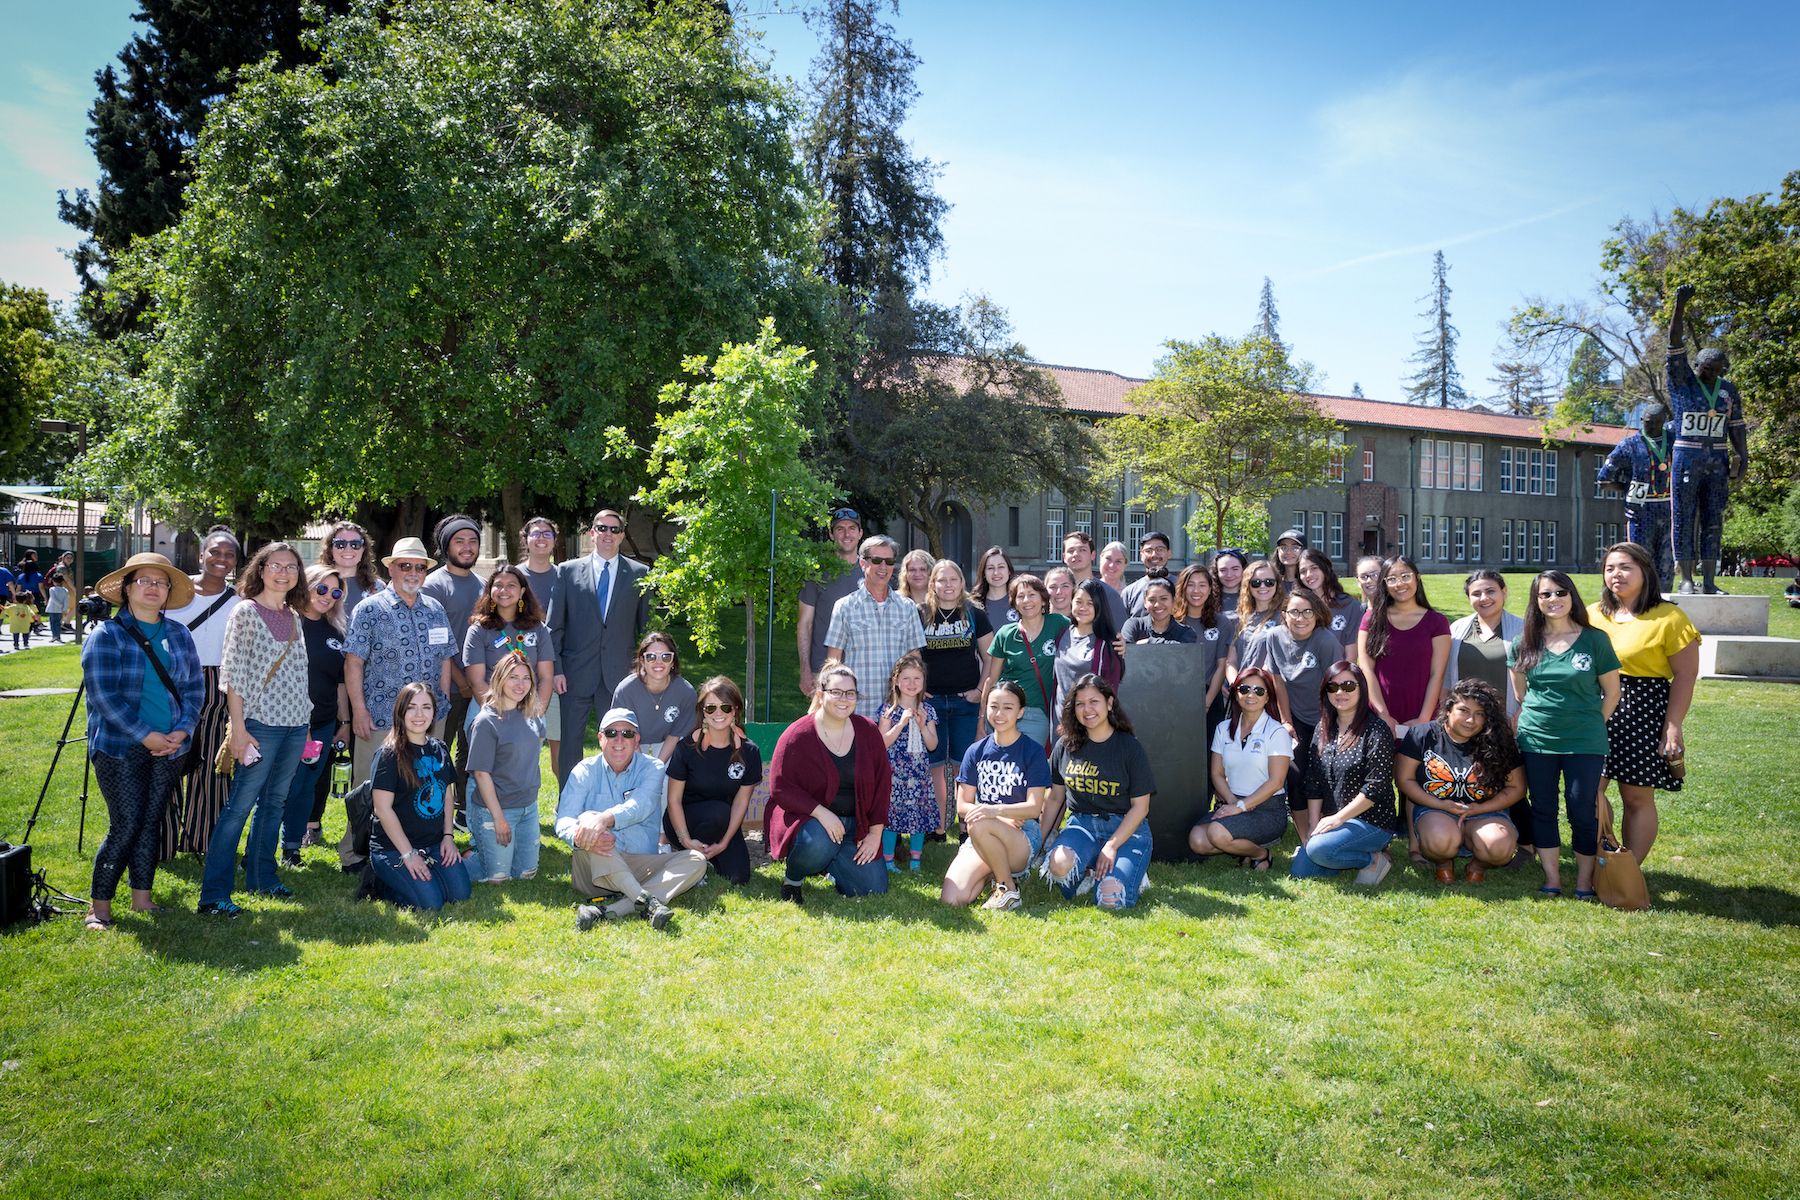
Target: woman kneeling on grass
{"points": [[504, 745], [1349, 784], [999, 796], [410, 842], [1463, 774], [1250, 756], [1101, 770]]}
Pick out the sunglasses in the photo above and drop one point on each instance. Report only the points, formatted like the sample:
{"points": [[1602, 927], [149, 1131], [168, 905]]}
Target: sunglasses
{"points": [[1349, 685], [412, 568], [347, 543], [325, 589], [609, 529], [659, 656], [710, 709], [619, 735], [1553, 593], [1259, 584], [879, 562], [1251, 689]]}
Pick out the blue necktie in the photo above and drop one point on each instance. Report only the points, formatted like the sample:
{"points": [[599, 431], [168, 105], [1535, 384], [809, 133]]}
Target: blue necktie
{"points": [[604, 586]]}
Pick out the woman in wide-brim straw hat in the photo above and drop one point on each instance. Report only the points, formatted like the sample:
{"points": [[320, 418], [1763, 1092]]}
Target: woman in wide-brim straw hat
{"points": [[141, 717]]}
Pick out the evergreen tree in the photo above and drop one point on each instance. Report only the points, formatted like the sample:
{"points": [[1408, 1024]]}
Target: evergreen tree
{"points": [[148, 114], [1437, 381], [1356, 391], [1591, 391], [1522, 390], [1268, 320]]}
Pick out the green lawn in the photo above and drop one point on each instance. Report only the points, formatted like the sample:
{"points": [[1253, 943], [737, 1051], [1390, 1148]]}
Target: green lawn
{"points": [[1239, 1034]]}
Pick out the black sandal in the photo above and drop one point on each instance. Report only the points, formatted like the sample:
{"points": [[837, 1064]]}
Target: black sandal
{"points": [[1260, 864]]}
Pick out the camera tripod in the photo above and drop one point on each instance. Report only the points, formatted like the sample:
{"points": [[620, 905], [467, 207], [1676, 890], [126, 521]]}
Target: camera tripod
{"points": [[86, 774]]}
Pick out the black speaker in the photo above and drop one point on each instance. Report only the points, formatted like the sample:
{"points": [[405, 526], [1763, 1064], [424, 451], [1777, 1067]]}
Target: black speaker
{"points": [[15, 884]]}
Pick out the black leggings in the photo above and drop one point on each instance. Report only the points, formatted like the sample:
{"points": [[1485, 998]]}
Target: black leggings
{"points": [[706, 822], [136, 788]]}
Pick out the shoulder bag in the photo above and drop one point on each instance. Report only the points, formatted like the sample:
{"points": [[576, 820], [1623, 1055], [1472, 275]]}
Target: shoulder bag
{"points": [[1618, 879]]}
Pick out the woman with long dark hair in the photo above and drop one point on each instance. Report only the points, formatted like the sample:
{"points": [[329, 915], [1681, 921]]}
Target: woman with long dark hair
{"points": [[1465, 779], [1100, 771], [711, 778], [1318, 573], [1403, 647], [1000, 788], [508, 619], [1197, 607], [1478, 641], [1090, 645], [1349, 784], [1565, 674], [1249, 764], [993, 586], [1659, 662], [411, 844], [1025, 652], [1296, 656]]}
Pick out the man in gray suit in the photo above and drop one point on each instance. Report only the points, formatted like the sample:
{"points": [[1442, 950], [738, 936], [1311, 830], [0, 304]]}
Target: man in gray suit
{"points": [[599, 616]]}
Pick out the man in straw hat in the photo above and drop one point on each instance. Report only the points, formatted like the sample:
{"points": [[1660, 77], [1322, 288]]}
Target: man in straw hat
{"points": [[398, 636]]}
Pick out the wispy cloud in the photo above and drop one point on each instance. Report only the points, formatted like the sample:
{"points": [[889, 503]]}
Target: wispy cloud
{"points": [[1455, 239], [43, 143]]}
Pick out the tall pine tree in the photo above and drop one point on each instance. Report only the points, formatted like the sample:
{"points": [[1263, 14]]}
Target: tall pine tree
{"points": [[149, 111], [1437, 381], [1268, 320]]}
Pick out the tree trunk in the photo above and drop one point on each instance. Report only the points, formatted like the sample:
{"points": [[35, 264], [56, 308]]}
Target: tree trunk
{"points": [[512, 519], [749, 658]]}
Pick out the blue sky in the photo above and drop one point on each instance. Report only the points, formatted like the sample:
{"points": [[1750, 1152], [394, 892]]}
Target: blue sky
{"points": [[1126, 173]]}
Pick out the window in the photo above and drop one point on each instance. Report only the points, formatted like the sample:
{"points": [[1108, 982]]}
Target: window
{"points": [[1427, 463], [1600, 491], [1550, 457], [1053, 532], [1520, 459], [1443, 528], [1368, 460], [1443, 464], [1476, 450], [1506, 537], [1459, 466], [1299, 521], [1012, 525], [1506, 457], [1337, 537], [1135, 524], [1460, 539], [1537, 542], [1474, 539], [1109, 526], [1084, 521], [1600, 542], [1424, 538], [1400, 536], [1318, 529], [1550, 542], [1334, 466], [1536, 458]]}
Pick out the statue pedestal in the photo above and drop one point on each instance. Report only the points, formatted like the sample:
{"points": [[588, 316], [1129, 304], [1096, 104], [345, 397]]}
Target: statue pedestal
{"points": [[1743, 615]]}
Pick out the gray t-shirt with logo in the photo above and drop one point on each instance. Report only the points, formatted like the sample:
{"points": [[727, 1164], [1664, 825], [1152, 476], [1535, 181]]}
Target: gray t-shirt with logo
{"points": [[458, 594], [488, 646], [506, 746], [659, 717], [1301, 665]]}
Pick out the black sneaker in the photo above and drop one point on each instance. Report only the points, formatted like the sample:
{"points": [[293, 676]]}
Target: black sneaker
{"points": [[589, 915], [290, 857], [655, 911], [794, 892]]}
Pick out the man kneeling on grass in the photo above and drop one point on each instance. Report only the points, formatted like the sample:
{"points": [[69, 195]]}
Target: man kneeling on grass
{"points": [[611, 814]]}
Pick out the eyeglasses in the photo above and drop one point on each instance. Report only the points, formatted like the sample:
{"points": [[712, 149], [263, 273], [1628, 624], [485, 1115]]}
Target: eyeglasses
{"points": [[619, 735], [1348, 685], [151, 581], [1251, 689], [840, 693], [1408, 578], [878, 562], [280, 568], [1260, 584], [721, 707], [659, 656], [539, 535], [412, 568], [325, 589], [1553, 593], [599, 528], [347, 543], [1297, 613]]}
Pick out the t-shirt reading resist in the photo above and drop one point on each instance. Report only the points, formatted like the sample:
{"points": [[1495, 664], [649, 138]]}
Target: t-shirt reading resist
{"points": [[1102, 777]]}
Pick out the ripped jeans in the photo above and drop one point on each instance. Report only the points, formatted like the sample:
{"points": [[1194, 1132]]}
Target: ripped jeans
{"points": [[1083, 837]]}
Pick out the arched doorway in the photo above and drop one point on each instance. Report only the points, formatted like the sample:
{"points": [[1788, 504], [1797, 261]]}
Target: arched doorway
{"points": [[958, 534]]}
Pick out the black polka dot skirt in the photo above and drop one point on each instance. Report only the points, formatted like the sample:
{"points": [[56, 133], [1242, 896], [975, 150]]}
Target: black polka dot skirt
{"points": [[1634, 734]]}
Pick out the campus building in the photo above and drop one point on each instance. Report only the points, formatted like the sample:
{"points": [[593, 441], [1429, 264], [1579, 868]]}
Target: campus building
{"points": [[1455, 488]]}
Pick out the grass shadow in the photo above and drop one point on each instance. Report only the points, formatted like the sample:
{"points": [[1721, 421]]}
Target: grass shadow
{"points": [[1758, 904]]}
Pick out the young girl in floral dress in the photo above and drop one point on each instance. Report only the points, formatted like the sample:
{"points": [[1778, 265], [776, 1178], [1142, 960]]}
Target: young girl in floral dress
{"points": [[909, 726]]}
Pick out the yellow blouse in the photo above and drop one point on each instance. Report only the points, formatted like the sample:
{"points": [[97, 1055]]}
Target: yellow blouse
{"points": [[1645, 643]]}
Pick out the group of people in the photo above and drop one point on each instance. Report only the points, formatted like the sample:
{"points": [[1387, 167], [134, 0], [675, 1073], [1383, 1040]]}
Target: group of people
{"points": [[31, 596], [217, 703]]}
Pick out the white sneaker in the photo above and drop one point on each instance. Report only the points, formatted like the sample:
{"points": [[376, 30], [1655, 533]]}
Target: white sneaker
{"points": [[1003, 900], [1377, 869], [1085, 886]]}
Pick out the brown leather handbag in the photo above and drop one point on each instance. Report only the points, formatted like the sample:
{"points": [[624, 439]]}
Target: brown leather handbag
{"points": [[1618, 880]]}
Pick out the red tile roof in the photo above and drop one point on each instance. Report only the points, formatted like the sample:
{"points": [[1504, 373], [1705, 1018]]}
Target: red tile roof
{"points": [[1103, 393]]}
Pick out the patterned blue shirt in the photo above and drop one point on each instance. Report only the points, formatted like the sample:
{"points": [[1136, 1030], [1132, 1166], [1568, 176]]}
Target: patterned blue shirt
{"points": [[1636, 467], [1696, 423], [399, 645], [116, 670]]}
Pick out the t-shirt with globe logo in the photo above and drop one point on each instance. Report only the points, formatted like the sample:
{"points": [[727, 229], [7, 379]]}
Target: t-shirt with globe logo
{"points": [[419, 809]]}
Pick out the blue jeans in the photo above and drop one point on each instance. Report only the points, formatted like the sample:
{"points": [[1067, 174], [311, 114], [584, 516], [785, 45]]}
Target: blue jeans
{"points": [[1349, 847], [1579, 775], [812, 852], [1084, 835], [487, 858], [262, 786], [956, 727], [1035, 724], [447, 885], [300, 792]]}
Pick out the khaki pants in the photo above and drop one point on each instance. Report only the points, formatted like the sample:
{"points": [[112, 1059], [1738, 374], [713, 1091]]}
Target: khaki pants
{"points": [[664, 876], [362, 761]]}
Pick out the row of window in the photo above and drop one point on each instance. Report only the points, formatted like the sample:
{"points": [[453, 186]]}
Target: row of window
{"points": [[1319, 525], [1452, 466], [1335, 469], [1457, 539]]}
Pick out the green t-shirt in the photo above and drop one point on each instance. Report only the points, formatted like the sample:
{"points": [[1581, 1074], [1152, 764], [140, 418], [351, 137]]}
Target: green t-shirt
{"points": [[1561, 713], [1009, 647]]}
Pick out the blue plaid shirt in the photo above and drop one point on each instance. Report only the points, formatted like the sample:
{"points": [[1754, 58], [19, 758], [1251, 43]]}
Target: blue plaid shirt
{"points": [[115, 670]]}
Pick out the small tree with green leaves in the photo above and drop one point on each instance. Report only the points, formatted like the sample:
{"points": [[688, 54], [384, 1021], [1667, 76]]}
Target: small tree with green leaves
{"points": [[1227, 420], [722, 446]]}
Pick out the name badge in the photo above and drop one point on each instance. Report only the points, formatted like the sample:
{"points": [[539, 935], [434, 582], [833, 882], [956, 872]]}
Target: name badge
{"points": [[438, 637], [1709, 425]]}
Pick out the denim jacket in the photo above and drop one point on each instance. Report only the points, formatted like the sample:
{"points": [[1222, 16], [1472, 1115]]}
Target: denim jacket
{"points": [[633, 798]]}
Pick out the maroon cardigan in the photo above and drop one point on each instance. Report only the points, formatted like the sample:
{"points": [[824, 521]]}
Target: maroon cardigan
{"points": [[803, 775]]}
